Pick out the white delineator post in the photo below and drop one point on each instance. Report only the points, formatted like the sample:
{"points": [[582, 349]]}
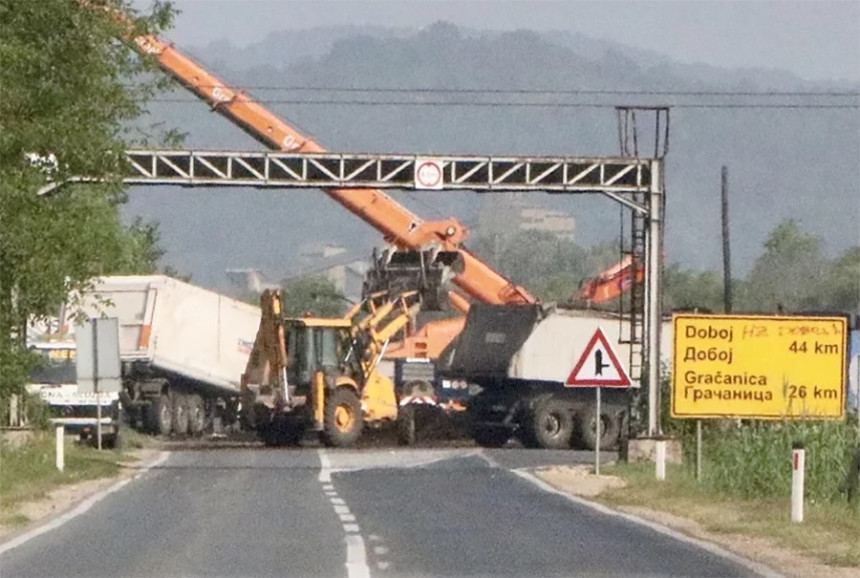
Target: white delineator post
{"points": [[61, 440], [660, 459], [798, 465]]}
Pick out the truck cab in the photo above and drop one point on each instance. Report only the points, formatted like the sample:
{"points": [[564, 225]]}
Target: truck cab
{"points": [[54, 380]]}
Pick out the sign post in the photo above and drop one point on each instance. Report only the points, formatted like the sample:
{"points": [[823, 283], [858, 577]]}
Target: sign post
{"points": [[98, 363], [598, 367]]}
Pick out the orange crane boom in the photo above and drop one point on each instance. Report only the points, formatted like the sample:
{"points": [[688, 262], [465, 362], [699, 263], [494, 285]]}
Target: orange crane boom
{"points": [[398, 225]]}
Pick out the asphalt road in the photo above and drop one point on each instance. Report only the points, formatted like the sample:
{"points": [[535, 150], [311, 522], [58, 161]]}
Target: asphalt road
{"points": [[369, 512]]}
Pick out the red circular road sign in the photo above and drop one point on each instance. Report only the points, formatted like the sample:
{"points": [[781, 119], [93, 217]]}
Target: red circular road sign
{"points": [[428, 175]]}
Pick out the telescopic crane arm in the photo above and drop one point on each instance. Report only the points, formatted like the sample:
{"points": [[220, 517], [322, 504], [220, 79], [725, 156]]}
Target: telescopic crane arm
{"points": [[398, 225]]}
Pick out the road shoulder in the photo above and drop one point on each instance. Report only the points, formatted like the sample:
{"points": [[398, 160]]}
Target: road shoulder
{"points": [[579, 481]]}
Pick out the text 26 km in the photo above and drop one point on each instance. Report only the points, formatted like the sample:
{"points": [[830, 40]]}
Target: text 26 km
{"points": [[815, 347], [803, 391]]}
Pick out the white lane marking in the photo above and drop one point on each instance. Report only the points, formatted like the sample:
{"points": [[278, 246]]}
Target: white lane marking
{"points": [[79, 509], [383, 565], [756, 567], [356, 557], [325, 467], [490, 461], [380, 550]]}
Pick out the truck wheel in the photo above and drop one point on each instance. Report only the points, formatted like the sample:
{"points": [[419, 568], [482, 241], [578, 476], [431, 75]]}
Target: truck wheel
{"points": [[550, 424], [180, 414], [159, 416], [343, 420], [196, 414], [406, 425], [610, 428], [490, 436]]}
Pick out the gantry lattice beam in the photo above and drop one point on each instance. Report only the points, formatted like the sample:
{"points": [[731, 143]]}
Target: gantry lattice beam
{"points": [[612, 176]]}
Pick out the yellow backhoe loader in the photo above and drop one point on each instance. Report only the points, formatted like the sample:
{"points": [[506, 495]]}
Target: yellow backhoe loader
{"points": [[312, 373]]}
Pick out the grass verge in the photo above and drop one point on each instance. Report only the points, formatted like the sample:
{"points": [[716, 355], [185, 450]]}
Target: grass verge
{"points": [[28, 471], [830, 531]]}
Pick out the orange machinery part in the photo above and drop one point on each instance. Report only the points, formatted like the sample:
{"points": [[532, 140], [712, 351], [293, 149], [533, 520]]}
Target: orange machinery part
{"points": [[612, 283], [399, 225]]}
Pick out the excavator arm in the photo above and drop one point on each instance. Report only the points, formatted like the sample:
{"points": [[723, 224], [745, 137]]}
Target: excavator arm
{"points": [[613, 282]]}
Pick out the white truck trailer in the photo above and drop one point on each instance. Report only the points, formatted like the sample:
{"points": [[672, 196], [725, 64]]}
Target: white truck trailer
{"points": [[183, 350]]}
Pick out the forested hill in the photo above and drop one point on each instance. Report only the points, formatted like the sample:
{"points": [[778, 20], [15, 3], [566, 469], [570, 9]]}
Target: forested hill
{"points": [[520, 92]]}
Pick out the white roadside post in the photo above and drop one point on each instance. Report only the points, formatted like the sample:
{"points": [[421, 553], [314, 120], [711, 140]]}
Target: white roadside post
{"points": [[61, 440], [798, 465], [660, 460]]}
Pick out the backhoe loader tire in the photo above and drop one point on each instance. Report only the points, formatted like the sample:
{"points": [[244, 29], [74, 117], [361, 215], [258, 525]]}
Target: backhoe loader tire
{"points": [[159, 416], [180, 414], [342, 421], [610, 428], [491, 436], [550, 425], [406, 426], [196, 414]]}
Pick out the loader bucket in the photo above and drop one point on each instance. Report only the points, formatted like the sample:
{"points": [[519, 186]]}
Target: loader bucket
{"points": [[427, 272]]}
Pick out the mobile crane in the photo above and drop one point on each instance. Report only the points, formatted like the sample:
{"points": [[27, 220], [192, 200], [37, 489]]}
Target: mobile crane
{"points": [[399, 226]]}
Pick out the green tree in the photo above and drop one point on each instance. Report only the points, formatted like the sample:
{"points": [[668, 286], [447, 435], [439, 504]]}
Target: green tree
{"points": [[685, 289], [789, 274], [68, 88], [841, 291], [315, 295], [548, 266]]}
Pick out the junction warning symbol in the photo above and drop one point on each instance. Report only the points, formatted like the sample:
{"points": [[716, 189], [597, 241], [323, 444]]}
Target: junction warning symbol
{"points": [[598, 366]]}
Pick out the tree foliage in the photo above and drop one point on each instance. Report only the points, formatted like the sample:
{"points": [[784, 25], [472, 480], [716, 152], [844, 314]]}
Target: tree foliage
{"points": [[549, 266], [68, 88], [792, 273], [317, 296]]}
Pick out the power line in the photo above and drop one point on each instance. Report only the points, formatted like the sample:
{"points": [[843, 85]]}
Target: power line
{"points": [[550, 92], [452, 103]]}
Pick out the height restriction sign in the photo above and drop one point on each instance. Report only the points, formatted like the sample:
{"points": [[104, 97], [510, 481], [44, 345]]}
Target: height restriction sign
{"points": [[428, 174]]}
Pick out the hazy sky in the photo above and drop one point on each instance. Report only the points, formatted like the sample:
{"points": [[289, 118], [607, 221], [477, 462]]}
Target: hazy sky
{"points": [[815, 39]]}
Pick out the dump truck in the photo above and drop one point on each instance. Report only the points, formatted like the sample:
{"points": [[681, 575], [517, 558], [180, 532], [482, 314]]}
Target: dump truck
{"points": [[183, 349], [519, 357]]}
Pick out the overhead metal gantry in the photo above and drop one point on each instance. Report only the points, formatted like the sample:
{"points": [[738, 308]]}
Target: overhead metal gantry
{"points": [[614, 177], [635, 182]]}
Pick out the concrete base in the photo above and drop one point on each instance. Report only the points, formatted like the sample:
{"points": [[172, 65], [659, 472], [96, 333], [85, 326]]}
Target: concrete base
{"points": [[644, 450]]}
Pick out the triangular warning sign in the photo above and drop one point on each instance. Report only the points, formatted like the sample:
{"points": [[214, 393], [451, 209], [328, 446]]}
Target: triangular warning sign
{"points": [[598, 366]]}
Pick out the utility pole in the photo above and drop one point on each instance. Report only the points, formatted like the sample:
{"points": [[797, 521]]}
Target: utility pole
{"points": [[727, 253]]}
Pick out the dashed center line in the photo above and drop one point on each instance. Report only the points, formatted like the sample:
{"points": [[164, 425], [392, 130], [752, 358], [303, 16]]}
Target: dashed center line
{"points": [[356, 554]]}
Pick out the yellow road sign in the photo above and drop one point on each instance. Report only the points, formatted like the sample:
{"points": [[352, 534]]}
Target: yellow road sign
{"points": [[757, 366]]}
